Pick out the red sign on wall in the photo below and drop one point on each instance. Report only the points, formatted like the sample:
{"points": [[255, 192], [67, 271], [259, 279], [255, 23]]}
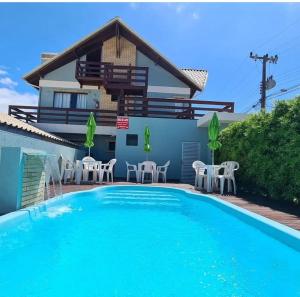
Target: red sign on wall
{"points": [[122, 123]]}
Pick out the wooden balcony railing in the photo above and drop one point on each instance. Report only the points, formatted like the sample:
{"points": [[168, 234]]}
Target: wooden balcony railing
{"points": [[110, 75], [35, 114], [128, 106], [171, 108]]}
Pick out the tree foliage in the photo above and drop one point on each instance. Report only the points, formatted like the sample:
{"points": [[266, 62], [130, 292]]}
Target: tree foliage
{"points": [[267, 147]]}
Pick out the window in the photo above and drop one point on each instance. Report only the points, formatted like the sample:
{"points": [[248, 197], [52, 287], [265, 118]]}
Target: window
{"points": [[114, 97], [81, 100], [131, 139], [69, 100], [94, 55], [111, 146], [62, 100]]}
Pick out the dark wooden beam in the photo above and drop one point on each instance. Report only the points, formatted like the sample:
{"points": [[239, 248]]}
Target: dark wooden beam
{"points": [[118, 46]]}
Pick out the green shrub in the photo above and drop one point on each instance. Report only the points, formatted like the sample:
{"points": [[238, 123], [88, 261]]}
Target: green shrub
{"points": [[267, 147]]}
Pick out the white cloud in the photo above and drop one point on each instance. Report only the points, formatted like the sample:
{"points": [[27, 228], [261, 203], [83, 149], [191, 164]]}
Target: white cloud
{"points": [[133, 5], [3, 72], [8, 82], [179, 8], [195, 16], [11, 97]]}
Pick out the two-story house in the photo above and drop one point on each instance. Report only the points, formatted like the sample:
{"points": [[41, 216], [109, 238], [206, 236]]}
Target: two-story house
{"points": [[114, 72]]}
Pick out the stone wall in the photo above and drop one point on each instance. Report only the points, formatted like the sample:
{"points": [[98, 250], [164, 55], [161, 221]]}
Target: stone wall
{"points": [[33, 183]]}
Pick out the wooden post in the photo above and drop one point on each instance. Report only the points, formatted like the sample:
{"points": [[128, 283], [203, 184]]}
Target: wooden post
{"points": [[145, 105], [121, 102], [38, 115], [67, 116]]}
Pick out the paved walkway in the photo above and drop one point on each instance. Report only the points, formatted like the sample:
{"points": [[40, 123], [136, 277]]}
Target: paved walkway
{"points": [[269, 209]]}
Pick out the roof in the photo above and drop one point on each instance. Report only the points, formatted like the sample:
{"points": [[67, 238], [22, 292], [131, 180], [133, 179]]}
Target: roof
{"points": [[17, 124], [224, 118], [199, 77], [103, 33]]}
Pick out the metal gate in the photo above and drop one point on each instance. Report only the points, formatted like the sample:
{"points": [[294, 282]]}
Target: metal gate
{"points": [[190, 153]]}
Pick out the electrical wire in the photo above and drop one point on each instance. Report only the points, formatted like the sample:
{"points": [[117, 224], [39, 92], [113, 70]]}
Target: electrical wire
{"points": [[279, 94], [288, 73], [276, 35]]}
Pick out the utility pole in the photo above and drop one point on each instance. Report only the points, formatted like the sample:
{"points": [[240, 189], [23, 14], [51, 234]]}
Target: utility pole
{"points": [[263, 86]]}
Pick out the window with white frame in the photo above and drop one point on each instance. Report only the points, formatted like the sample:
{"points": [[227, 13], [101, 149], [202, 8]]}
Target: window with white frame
{"points": [[70, 100]]}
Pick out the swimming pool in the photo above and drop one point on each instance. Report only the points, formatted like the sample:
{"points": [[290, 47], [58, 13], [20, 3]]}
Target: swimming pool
{"points": [[142, 241]]}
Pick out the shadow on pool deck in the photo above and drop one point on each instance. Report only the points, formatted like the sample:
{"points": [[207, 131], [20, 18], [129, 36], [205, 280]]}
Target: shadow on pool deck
{"points": [[280, 212]]}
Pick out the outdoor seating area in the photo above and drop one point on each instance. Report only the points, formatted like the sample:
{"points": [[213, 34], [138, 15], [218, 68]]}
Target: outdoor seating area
{"points": [[213, 177], [87, 170], [147, 171]]}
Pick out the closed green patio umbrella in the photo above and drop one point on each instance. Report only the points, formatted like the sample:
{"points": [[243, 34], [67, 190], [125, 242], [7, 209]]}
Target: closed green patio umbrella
{"points": [[91, 129], [147, 146], [213, 135]]}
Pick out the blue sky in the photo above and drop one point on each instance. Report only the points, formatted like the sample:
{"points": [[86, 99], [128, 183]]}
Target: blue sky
{"points": [[213, 36]]}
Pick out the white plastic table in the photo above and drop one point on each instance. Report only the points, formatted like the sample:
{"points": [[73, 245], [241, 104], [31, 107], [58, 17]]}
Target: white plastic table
{"points": [[83, 168], [211, 174], [139, 173]]}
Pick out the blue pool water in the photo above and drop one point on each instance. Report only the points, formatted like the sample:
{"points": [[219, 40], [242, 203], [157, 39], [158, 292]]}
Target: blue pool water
{"points": [[142, 242]]}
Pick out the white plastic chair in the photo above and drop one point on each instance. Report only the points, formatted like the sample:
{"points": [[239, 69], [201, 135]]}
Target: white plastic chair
{"points": [[229, 168], [162, 170], [148, 167], [108, 169], [200, 176], [99, 171], [131, 168], [68, 172], [78, 172], [62, 164], [89, 164]]}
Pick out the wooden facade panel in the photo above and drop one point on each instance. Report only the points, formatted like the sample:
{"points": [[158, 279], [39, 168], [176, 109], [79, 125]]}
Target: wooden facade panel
{"points": [[127, 54], [126, 57]]}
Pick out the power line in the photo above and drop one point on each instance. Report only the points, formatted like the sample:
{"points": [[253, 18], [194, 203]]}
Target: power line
{"points": [[273, 37], [286, 45], [225, 88], [288, 73], [287, 80], [284, 92], [243, 84], [253, 105], [272, 96], [243, 78], [284, 75]]}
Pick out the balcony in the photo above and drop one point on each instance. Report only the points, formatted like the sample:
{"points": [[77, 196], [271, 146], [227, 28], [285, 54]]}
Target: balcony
{"points": [[35, 114], [132, 80], [170, 108], [127, 106]]}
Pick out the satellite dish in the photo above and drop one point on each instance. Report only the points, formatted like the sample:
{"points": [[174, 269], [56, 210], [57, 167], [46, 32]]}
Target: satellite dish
{"points": [[270, 83]]}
